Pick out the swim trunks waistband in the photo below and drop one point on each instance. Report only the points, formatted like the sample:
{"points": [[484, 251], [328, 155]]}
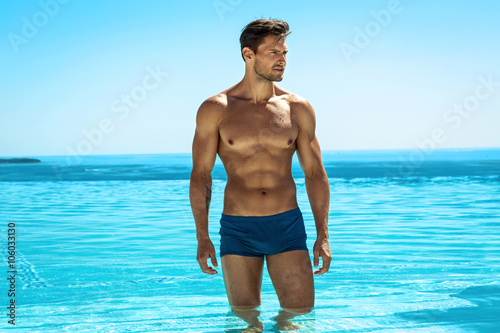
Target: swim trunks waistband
{"points": [[265, 218]]}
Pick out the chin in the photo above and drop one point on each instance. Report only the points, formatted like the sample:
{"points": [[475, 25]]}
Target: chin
{"points": [[276, 78]]}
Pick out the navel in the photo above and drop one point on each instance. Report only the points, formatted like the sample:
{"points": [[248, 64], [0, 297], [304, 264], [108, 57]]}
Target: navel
{"points": [[263, 192]]}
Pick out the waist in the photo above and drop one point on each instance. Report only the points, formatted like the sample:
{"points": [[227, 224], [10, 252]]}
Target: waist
{"points": [[266, 218], [240, 200]]}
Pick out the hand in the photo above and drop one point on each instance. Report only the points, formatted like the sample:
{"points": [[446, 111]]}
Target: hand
{"points": [[322, 249], [206, 250]]}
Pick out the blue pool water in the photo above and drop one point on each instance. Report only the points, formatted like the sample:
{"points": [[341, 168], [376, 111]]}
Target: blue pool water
{"points": [[107, 244]]}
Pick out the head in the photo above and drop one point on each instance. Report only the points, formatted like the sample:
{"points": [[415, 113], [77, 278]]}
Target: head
{"points": [[263, 47]]}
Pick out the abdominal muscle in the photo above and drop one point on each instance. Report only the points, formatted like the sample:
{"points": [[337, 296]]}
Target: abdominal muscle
{"points": [[259, 187]]}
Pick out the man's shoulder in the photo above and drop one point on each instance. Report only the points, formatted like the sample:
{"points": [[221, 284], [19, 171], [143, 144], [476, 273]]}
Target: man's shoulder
{"points": [[300, 109], [298, 104], [216, 102], [293, 99], [212, 108]]}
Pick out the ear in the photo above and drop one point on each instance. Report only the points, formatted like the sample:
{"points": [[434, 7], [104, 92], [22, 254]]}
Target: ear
{"points": [[247, 53]]}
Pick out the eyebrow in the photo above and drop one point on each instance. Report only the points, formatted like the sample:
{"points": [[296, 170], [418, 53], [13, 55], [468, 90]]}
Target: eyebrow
{"points": [[279, 50]]}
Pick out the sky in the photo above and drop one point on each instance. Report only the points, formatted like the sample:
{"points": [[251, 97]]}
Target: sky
{"points": [[127, 77]]}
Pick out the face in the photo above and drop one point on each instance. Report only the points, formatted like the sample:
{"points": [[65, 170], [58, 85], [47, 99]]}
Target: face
{"points": [[270, 59]]}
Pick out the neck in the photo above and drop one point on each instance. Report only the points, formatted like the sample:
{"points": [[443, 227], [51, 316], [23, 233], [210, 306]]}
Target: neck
{"points": [[256, 88]]}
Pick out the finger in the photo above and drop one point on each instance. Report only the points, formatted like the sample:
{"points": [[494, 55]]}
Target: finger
{"points": [[203, 264], [214, 260], [316, 259], [326, 263], [325, 267], [320, 271], [207, 269], [210, 271]]}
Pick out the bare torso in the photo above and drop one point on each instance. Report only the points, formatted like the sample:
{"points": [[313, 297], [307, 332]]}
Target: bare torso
{"points": [[256, 146], [256, 127]]}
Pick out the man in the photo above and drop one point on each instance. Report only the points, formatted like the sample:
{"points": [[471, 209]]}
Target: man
{"points": [[255, 127]]}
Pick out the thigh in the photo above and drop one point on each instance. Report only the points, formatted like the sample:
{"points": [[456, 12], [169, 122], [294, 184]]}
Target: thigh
{"points": [[292, 277], [243, 279]]}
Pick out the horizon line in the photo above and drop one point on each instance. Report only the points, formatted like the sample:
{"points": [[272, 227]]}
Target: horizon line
{"points": [[323, 151]]}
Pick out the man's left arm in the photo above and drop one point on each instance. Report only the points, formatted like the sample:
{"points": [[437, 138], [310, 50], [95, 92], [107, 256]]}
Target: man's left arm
{"points": [[316, 180]]}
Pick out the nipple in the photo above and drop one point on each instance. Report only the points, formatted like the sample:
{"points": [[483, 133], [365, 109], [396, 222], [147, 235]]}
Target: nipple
{"points": [[230, 142]]}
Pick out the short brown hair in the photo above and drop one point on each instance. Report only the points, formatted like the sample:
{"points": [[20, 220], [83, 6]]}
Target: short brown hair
{"points": [[254, 33]]}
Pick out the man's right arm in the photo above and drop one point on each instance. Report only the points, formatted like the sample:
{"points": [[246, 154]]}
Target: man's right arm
{"points": [[204, 152]]}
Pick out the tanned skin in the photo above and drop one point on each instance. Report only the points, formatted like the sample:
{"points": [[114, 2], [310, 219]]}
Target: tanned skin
{"points": [[256, 127]]}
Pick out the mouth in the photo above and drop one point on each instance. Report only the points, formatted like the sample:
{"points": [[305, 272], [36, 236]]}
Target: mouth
{"points": [[279, 69]]}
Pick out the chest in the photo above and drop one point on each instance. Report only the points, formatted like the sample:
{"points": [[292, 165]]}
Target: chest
{"points": [[251, 127]]}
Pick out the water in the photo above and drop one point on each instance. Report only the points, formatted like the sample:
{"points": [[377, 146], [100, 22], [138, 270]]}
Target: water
{"points": [[106, 244]]}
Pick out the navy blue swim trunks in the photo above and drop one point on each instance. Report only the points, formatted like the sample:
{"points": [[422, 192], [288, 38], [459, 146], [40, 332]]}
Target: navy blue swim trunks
{"points": [[256, 236]]}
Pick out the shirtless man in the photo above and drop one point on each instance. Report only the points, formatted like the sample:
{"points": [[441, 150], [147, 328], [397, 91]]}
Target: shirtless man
{"points": [[255, 127]]}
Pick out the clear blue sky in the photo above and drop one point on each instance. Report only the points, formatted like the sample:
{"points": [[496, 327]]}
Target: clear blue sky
{"points": [[379, 74]]}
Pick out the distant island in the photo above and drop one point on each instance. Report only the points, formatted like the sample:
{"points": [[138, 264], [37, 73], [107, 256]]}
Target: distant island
{"points": [[19, 160]]}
